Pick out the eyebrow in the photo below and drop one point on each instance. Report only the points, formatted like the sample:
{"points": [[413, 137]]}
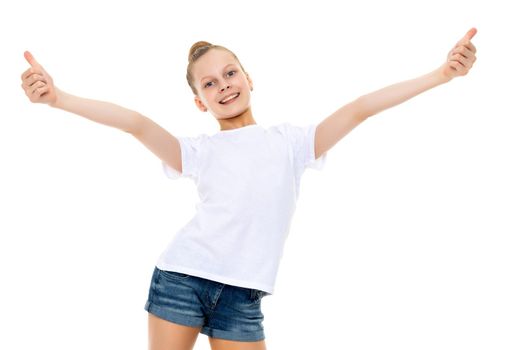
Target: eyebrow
{"points": [[226, 66]]}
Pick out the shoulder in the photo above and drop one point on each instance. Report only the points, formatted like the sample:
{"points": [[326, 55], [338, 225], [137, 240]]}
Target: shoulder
{"points": [[196, 140], [295, 132], [284, 128]]}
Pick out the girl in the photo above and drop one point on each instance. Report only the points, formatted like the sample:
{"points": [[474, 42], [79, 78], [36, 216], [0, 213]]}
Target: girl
{"points": [[212, 276]]}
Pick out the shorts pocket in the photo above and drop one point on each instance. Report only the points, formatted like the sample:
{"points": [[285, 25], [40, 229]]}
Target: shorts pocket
{"points": [[173, 275], [256, 295]]}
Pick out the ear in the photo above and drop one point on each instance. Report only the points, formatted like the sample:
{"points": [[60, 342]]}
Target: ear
{"points": [[249, 81], [200, 104]]}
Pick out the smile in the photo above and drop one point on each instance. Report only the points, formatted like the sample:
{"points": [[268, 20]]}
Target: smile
{"points": [[229, 99]]}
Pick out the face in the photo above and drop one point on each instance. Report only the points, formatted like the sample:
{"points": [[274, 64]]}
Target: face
{"points": [[216, 75]]}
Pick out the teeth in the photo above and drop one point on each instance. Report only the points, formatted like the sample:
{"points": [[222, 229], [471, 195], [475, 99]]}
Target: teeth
{"points": [[230, 98]]}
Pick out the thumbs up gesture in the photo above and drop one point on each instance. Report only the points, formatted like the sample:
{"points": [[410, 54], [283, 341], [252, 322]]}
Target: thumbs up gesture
{"points": [[461, 58], [37, 84]]}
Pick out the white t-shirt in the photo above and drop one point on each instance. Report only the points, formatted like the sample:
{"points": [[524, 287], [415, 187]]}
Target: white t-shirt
{"points": [[248, 183]]}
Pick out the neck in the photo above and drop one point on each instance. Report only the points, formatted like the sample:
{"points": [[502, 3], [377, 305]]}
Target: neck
{"points": [[239, 121]]}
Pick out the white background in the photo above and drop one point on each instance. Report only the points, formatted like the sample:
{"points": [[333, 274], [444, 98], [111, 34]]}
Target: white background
{"points": [[412, 237]]}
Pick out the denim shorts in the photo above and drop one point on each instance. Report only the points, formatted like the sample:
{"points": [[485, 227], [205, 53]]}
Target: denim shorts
{"points": [[223, 311]]}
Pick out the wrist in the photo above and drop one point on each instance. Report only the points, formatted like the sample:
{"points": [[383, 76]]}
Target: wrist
{"points": [[441, 76], [58, 96]]}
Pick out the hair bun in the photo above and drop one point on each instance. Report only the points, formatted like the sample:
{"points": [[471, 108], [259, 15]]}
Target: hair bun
{"points": [[195, 47]]}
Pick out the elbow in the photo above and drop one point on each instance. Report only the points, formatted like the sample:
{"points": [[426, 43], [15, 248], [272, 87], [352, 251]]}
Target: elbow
{"points": [[135, 125], [359, 109]]}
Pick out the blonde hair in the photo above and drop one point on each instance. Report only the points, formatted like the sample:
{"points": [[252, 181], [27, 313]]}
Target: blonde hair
{"points": [[196, 51]]}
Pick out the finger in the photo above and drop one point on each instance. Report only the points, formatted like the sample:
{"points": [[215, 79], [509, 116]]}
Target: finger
{"points": [[460, 59], [457, 66], [468, 46], [43, 90], [38, 90], [467, 62], [36, 78], [457, 58], [37, 86], [30, 59], [470, 34], [33, 78], [26, 72], [35, 66], [471, 47], [467, 37], [464, 51], [31, 71]]}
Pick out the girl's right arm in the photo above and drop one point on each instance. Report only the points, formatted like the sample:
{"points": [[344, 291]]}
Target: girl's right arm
{"points": [[39, 88], [102, 112]]}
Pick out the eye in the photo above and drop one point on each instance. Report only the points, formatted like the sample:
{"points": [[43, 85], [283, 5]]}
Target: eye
{"points": [[206, 85]]}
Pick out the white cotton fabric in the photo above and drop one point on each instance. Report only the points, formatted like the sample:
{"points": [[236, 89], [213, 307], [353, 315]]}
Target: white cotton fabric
{"points": [[248, 184]]}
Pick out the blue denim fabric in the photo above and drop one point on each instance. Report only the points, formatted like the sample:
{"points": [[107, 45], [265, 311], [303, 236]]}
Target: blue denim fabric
{"points": [[223, 311]]}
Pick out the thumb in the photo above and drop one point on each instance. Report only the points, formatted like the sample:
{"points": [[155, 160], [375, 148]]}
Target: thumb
{"points": [[30, 59], [470, 34]]}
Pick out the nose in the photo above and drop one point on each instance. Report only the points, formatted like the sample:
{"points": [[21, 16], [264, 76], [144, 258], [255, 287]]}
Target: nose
{"points": [[224, 88]]}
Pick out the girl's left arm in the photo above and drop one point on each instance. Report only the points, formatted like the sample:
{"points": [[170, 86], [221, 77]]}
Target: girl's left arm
{"points": [[459, 61]]}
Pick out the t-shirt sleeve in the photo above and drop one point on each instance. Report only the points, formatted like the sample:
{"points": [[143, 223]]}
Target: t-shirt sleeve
{"points": [[303, 144], [189, 147]]}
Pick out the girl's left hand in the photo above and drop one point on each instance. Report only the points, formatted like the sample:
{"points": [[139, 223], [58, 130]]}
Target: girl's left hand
{"points": [[461, 58]]}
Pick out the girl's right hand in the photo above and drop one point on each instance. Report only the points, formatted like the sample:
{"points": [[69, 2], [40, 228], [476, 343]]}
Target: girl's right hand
{"points": [[37, 84]]}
